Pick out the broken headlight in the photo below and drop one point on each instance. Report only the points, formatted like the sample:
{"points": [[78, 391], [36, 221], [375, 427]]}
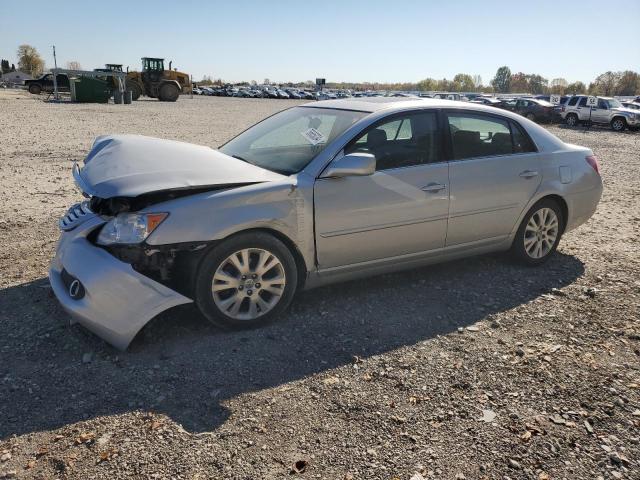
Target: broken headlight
{"points": [[129, 228]]}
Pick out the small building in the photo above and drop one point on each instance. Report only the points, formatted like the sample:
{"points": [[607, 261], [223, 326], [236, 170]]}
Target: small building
{"points": [[15, 78]]}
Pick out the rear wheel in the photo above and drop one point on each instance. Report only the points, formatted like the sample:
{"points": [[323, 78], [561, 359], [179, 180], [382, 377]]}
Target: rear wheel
{"points": [[168, 93], [572, 119], [539, 233], [35, 89], [136, 91], [531, 117], [618, 124], [246, 281]]}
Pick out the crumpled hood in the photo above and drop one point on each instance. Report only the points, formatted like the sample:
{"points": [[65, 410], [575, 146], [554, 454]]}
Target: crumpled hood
{"points": [[131, 165]]}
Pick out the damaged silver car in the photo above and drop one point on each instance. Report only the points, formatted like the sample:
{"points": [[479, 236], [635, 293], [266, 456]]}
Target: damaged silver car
{"points": [[315, 194]]}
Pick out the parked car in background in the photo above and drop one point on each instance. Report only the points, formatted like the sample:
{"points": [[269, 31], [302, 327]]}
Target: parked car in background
{"points": [[45, 83], [490, 101], [631, 105], [534, 109], [609, 111], [294, 94], [238, 230], [196, 91]]}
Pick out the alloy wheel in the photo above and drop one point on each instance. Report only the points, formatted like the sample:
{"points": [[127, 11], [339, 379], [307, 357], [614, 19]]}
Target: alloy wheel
{"points": [[248, 283], [618, 125], [541, 233]]}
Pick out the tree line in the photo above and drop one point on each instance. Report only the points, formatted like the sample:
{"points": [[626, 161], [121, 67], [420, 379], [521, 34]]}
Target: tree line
{"points": [[624, 83]]}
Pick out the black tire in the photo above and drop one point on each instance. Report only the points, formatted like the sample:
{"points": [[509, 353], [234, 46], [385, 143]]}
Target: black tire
{"points": [[518, 249], [531, 117], [618, 124], [136, 91], [204, 297], [168, 93], [572, 120], [35, 89]]}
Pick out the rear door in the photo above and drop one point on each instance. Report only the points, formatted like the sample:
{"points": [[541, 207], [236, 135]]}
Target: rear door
{"points": [[494, 172]]}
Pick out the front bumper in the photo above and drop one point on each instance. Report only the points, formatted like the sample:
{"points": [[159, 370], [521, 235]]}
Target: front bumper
{"points": [[117, 301]]}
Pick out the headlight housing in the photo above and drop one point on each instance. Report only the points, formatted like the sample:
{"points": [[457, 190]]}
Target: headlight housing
{"points": [[130, 228]]}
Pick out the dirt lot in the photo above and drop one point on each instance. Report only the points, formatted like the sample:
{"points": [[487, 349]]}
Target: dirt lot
{"points": [[473, 369]]}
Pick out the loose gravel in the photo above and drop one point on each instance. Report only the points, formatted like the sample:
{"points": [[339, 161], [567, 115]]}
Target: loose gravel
{"points": [[477, 369]]}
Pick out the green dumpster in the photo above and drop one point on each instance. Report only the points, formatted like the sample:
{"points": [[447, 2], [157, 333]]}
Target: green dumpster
{"points": [[92, 90]]}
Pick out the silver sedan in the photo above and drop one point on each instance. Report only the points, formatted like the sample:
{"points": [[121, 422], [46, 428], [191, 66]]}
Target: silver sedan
{"points": [[315, 194]]}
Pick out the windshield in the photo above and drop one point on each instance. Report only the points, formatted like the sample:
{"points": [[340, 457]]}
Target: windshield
{"points": [[614, 103], [289, 140]]}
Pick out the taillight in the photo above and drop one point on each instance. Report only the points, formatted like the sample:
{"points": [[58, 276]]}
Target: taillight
{"points": [[593, 161]]}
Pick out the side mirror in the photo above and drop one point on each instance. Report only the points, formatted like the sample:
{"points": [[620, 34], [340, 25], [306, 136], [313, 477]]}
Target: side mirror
{"points": [[354, 164]]}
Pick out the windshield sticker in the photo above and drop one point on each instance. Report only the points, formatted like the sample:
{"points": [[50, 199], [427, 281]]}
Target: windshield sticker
{"points": [[313, 136]]}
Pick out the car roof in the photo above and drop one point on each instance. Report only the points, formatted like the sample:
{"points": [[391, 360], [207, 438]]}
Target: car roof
{"points": [[374, 104]]}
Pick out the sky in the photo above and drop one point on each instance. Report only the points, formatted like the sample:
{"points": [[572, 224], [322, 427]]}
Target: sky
{"points": [[351, 41]]}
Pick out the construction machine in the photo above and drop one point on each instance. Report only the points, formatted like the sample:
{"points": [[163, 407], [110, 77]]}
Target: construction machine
{"points": [[156, 82]]}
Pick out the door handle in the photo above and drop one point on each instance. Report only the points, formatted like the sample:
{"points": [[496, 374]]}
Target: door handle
{"points": [[433, 187], [529, 174]]}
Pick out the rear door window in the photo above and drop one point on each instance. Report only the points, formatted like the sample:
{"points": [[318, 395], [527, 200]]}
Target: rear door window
{"points": [[572, 101], [583, 102], [477, 135], [522, 143]]}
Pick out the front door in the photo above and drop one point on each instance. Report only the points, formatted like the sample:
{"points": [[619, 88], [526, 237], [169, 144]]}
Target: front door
{"points": [[600, 113], [494, 173], [401, 209]]}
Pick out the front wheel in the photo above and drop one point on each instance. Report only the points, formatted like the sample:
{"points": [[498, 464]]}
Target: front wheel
{"points": [[531, 117], [539, 233], [618, 124], [246, 281]]}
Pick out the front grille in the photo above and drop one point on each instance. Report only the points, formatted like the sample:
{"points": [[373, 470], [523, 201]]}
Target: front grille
{"points": [[77, 214]]}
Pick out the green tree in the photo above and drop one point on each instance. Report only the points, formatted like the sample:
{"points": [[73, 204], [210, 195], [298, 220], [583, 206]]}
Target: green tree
{"points": [[519, 83], [576, 88], [29, 60], [463, 83], [502, 81], [427, 85], [537, 83], [4, 66], [628, 84]]}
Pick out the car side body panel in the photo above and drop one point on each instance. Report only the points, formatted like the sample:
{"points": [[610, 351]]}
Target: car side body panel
{"points": [[119, 300]]}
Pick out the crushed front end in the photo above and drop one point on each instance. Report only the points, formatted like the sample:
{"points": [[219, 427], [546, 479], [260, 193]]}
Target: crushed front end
{"points": [[100, 289]]}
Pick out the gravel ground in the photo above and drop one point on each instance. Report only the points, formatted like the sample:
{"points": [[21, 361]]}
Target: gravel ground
{"points": [[478, 369]]}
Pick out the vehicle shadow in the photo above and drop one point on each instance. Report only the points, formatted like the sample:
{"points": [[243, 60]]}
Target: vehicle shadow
{"points": [[52, 374]]}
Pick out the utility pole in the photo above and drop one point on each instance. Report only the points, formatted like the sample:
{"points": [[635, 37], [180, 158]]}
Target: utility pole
{"points": [[55, 75]]}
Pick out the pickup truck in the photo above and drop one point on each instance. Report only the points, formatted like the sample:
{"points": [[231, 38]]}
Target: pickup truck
{"points": [[45, 84]]}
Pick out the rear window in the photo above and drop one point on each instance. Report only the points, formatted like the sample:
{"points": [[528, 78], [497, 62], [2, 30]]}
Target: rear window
{"points": [[477, 135], [522, 143]]}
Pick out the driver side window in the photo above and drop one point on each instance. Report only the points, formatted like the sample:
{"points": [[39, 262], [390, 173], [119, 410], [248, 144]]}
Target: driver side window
{"points": [[404, 141]]}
